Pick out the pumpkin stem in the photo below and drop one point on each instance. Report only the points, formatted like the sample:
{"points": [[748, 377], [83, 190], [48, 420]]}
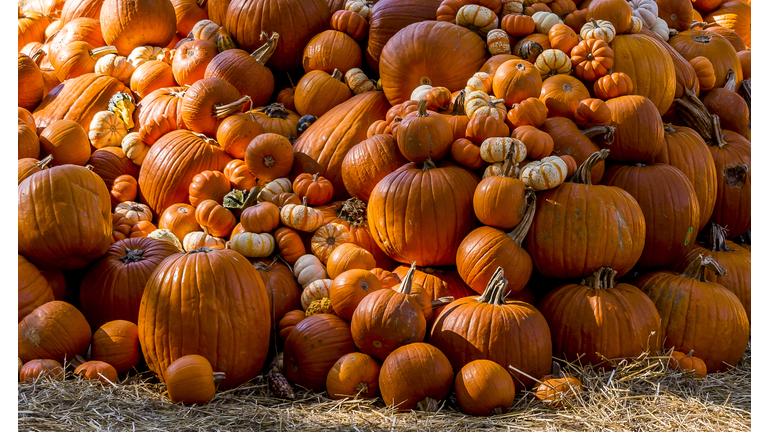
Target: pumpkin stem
{"points": [[361, 388], [428, 404], [583, 174], [509, 165], [337, 75], [690, 353], [730, 81], [702, 39], [219, 376], [221, 111], [264, 52], [490, 289], [37, 55], [458, 104], [422, 109], [407, 283], [304, 201], [557, 372], [241, 199], [290, 80], [746, 93], [442, 301], [275, 110], [201, 3], [429, 164], [353, 211], [695, 269], [608, 131], [206, 138], [99, 52], [521, 230], [202, 249], [669, 129], [44, 161], [132, 256], [717, 239], [314, 179]]}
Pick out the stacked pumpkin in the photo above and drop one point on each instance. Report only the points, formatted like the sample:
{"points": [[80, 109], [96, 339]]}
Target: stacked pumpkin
{"points": [[543, 144]]}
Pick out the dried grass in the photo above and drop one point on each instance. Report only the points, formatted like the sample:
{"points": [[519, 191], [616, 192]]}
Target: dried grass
{"points": [[640, 395]]}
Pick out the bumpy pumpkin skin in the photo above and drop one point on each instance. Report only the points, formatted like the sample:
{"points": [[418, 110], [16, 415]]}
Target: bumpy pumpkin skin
{"points": [[236, 300], [635, 55], [130, 23], [64, 216], [55, 330], [407, 234]]}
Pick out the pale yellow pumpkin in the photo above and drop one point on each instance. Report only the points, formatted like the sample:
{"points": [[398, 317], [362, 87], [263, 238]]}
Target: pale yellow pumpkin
{"points": [[476, 18], [143, 54], [301, 217], [637, 25], [553, 62], [205, 30], [199, 239], [495, 149], [134, 148], [480, 81], [544, 21], [548, 173], [421, 92], [480, 103], [134, 211], [498, 42], [115, 66], [167, 236], [327, 238], [513, 7], [252, 245], [361, 7], [274, 188], [308, 269], [358, 81], [317, 290], [598, 29], [106, 130]]}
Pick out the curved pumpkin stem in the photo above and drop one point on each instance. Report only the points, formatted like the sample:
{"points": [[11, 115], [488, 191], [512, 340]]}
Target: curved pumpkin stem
{"points": [[608, 131], [717, 239], [490, 289], [695, 269], [99, 52], [458, 104], [407, 283], [509, 166], [222, 111], [44, 161], [422, 110], [264, 52], [442, 301], [583, 173], [730, 81], [219, 376], [337, 75], [429, 164], [521, 230]]}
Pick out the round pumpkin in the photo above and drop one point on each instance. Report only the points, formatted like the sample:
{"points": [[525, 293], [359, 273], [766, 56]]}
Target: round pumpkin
{"points": [[416, 375], [130, 23], [190, 379], [56, 330], [117, 343], [484, 387], [354, 374]]}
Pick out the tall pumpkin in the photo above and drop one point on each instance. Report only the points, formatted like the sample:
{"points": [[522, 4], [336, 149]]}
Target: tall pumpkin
{"points": [[328, 140], [207, 302], [599, 318], [490, 327], [406, 232], [699, 315], [113, 286], [639, 131], [579, 227], [172, 163], [64, 216], [127, 24], [649, 66], [368, 162], [453, 54], [295, 20]]}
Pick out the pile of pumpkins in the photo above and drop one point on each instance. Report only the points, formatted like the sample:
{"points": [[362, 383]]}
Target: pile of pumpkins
{"points": [[453, 193]]}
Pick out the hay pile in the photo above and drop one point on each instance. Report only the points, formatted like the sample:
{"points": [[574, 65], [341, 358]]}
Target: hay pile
{"points": [[640, 395]]}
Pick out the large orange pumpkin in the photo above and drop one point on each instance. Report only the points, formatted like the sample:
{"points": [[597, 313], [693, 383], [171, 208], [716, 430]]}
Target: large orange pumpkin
{"points": [[127, 24]]}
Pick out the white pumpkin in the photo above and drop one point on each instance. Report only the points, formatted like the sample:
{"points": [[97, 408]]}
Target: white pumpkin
{"points": [[134, 148], [548, 173], [199, 239], [362, 7], [637, 25], [308, 269], [545, 21], [358, 81], [480, 81], [646, 10], [598, 29], [166, 235], [143, 54], [205, 30], [477, 18], [420, 92], [661, 28], [513, 7], [115, 66], [495, 149], [316, 290], [498, 42], [275, 187], [252, 245], [106, 130]]}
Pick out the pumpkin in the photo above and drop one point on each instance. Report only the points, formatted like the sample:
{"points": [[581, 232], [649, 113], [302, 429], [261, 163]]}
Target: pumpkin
{"points": [[694, 43], [562, 93], [134, 211], [318, 91], [201, 239], [684, 149], [208, 185], [128, 24], [431, 239], [329, 139], [349, 289], [262, 217], [191, 60], [613, 85], [634, 54], [495, 150], [466, 154], [150, 76], [358, 82], [682, 298], [216, 218], [67, 141], [688, 363], [484, 387], [736, 259], [252, 245], [40, 369], [349, 256], [416, 375], [331, 50], [570, 140], [85, 28], [518, 25], [301, 217], [296, 22], [622, 231], [498, 42], [477, 18], [350, 23], [515, 81], [368, 162], [557, 389], [598, 29], [29, 143], [592, 59], [389, 17], [275, 188], [269, 156], [117, 343], [402, 67], [142, 54], [730, 107], [545, 174], [734, 15], [530, 111], [327, 238], [492, 191], [592, 112], [514, 333], [576, 20], [353, 374], [283, 289], [29, 166], [597, 301], [55, 330], [552, 62], [617, 12], [207, 102], [124, 189], [238, 174], [482, 127], [190, 380], [424, 135], [32, 88], [677, 14], [485, 249], [538, 144], [247, 311], [317, 289], [179, 155], [97, 371], [32, 27], [116, 66], [289, 321], [34, 289], [179, 219], [705, 72], [106, 130], [480, 103], [563, 38], [639, 131]]}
